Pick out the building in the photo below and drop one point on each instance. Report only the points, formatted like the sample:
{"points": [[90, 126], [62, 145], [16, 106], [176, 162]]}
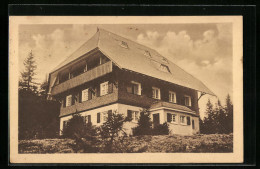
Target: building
{"points": [[111, 73]]}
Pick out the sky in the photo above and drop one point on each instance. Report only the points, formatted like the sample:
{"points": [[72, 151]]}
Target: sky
{"points": [[203, 50]]}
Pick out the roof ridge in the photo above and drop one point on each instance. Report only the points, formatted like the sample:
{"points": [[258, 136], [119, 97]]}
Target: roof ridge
{"points": [[98, 36]]}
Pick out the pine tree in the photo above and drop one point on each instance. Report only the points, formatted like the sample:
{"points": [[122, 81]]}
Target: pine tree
{"points": [[229, 114], [27, 76], [220, 118], [208, 125], [144, 126]]}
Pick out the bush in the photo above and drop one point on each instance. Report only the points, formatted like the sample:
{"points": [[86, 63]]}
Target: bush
{"points": [[161, 129], [83, 134], [144, 126], [112, 132]]}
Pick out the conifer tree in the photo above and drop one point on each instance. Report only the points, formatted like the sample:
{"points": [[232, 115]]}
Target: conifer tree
{"points": [[220, 118], [27, 76], [144, 126], [229, 114], [208, 124]]}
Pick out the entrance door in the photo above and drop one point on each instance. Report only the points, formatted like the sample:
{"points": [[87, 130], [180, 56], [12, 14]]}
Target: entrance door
{"points": [[156, 119]]}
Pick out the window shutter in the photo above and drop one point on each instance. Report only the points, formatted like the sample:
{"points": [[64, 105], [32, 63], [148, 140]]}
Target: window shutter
{"points": [[129, 88], [72, 99], [110, 87], [188, 120], [89, 94], [64, 102], [98, 90], [80, 97], [169, 117], [129, 114], [98, 117], [89, 118], [109, 113]]}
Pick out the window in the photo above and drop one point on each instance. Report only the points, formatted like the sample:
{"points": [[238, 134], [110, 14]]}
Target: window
{"points": [[156, 93], [103, 88], [87, 119], [172, 97], [105, 115], [164, 68], [182, 119], [69, 100], [85, 95], [171, 118], [103, 59], [124, 44], [187, 100], [134, 115], [134, 88]]}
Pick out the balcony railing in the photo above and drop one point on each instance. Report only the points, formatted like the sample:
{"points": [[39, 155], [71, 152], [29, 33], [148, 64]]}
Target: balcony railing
{"points": [[83, 78]]}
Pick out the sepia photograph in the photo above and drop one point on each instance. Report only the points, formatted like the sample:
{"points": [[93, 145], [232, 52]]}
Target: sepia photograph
{"points": [[134, 89]]}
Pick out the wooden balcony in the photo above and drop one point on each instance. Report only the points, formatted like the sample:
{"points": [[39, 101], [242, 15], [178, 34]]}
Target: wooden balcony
{"points": [[83, 78]]}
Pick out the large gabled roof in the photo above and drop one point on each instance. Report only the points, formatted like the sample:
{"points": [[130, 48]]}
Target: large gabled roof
{"points": [[133, 58]]}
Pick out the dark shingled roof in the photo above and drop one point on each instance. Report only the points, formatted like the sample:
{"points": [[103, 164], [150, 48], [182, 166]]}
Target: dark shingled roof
{"points": [[134, 58]]}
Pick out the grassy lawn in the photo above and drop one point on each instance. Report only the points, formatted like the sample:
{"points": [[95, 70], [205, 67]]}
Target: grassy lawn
{"points": [[149, 144]]}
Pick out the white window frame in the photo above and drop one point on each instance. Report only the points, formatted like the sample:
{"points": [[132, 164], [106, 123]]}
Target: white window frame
{"points": [[184, 118], [104, 88], [139, 92], [159, 93], [67, 100], [176, 118], [103, 116], [172, 100], [135, 116], [86, 118], [186, 96], [84, 97]]}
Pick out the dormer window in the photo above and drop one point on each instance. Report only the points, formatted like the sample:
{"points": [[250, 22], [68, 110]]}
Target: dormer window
{"points": [[124, 44], [164, 68], [147, 53]]}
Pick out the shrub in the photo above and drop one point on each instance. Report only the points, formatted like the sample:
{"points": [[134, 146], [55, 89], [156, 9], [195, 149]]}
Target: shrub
{"points": [[83, 134], [144, 126], [161, 129], [75, 126], [112, 131]]}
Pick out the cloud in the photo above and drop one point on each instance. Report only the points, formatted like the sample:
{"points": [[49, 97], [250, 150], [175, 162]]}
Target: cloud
{"points": [[52, 48], [177, 46], [208, 58]]}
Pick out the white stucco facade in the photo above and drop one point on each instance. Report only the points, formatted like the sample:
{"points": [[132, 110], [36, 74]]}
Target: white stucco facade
{"points": [[175, 127], [117, 107]]}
